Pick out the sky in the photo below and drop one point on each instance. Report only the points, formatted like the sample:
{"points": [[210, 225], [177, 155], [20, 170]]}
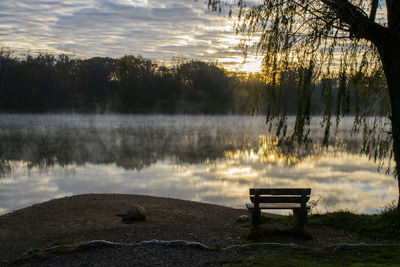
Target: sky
{"points": [[156, 29]]}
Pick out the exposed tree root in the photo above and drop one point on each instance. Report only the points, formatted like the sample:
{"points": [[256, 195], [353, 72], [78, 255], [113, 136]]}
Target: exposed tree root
{"points": [[43, 254]]}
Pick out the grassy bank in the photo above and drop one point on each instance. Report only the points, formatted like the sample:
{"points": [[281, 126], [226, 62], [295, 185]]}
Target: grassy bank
{"points": [[377, 255], [383, 227], [386, 223]]}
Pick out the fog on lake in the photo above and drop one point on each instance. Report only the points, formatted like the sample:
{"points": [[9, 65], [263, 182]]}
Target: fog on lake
{"points": [[213, 159]]}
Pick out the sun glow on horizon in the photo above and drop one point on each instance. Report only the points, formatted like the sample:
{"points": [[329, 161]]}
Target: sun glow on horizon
{"points": [[250, 65], [254, 66]]}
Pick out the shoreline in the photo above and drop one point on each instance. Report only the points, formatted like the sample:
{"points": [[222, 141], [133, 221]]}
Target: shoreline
{"points": [[88, 217], [93, 216]]}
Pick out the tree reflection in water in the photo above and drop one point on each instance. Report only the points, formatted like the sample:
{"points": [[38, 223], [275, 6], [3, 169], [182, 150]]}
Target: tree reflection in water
{"points": [[136, 142]]}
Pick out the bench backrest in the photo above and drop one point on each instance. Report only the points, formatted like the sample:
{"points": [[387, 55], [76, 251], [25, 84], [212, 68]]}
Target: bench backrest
{"points": [[280, 195]]}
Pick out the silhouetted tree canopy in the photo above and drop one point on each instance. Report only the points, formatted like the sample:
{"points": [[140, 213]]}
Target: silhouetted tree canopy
{"points": [[131, 84]]}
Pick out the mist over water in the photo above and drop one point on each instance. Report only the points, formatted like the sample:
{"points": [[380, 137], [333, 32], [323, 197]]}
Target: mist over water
{"points": [[213, 159]]}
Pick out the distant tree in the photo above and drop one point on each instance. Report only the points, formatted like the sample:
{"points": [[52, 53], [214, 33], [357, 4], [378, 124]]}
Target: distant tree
{"points": [[167, 89], [66, 71], [96, 74], [135, 76], [351, 38], [206, 88], [7, 64], [40, 81]]}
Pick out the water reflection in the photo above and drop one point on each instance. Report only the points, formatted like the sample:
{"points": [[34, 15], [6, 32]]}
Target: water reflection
{"points": [[268, 151], [130, 142], [211, 159]]}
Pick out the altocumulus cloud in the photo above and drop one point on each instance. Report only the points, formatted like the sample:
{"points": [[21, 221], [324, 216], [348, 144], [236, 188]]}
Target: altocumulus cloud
{"points": [[152, 28]]}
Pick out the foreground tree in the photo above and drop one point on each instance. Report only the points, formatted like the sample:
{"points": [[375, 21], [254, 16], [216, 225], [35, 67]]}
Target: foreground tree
{"points": [[351, 38]]}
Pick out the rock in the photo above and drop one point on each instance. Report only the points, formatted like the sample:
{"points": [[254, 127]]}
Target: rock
{"points": [[135, 213], [243, 218], [255, 233]]}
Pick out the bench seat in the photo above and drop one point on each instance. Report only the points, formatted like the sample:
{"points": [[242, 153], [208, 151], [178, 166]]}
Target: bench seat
{"points": [[276, 206]]}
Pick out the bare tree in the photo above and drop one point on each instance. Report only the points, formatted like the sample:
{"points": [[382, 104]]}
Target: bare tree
{"points": [[356, 35]]}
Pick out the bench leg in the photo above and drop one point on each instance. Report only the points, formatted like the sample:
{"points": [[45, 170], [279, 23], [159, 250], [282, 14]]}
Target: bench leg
{"points": [[255, 217], [304, 215], [300, 216]]}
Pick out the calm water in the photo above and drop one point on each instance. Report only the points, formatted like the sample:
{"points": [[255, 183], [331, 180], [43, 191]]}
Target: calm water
{"points": [[211, 159]]}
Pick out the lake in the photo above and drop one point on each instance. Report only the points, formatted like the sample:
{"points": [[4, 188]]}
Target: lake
{"points": [[213, 159]]}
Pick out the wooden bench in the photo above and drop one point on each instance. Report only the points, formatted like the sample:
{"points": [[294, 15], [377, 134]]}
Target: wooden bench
{"points": [[279, 198]]}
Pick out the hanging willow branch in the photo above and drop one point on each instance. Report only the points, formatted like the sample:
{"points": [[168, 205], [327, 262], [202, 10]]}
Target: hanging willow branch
{"points": [[327, 45]]}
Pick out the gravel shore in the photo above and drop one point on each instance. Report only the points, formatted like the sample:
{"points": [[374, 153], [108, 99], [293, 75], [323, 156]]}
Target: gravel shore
{"points": [[93, 216], [83, 218]]}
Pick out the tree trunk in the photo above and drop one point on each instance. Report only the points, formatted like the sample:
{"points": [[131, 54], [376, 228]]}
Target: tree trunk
{"points": [[389, 51]]}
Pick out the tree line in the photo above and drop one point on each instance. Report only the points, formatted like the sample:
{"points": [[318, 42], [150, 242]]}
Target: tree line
{"points": [[133, 84], [130, 84]]}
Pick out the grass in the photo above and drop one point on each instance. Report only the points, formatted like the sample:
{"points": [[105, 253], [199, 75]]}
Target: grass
{"points": [[383, 225], [379, 255], [387, 223]]}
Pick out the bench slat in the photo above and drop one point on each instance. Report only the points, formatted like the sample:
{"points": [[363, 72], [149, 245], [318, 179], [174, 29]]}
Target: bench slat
{"points": [[273, 199], [281, 191], [275, 206]]}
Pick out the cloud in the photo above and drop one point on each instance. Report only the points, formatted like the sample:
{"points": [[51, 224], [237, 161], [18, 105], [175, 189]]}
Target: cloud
{"points": [[154, 29]]}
